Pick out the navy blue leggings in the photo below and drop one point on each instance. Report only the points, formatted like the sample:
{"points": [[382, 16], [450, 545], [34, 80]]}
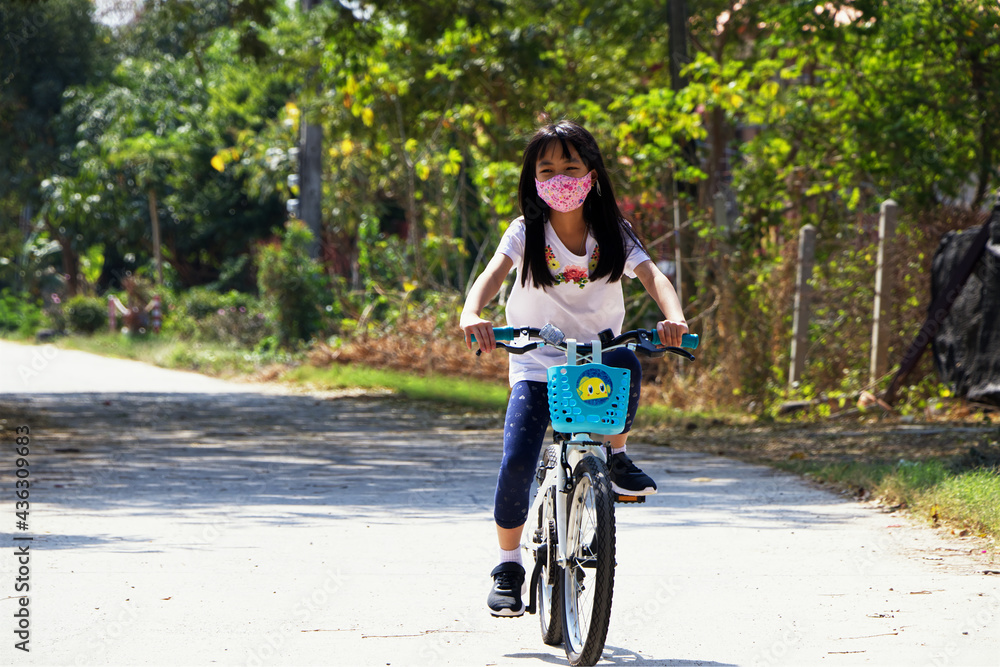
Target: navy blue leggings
{"points": [[524, 432]]}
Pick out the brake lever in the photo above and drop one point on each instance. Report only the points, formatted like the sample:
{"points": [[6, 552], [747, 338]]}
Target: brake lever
{"points": [[645, 345], [680, 352], [513, 349]]}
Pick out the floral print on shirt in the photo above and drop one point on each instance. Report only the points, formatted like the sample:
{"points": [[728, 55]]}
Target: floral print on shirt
{"points": [[550, 257], [572, 273], [594, 256]]}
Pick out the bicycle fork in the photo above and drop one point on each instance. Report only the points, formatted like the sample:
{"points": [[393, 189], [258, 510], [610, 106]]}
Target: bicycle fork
{"points": [[559, 477]]}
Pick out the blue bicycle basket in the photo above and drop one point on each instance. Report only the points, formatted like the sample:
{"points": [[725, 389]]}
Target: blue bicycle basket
{"points": [[589, 398]]}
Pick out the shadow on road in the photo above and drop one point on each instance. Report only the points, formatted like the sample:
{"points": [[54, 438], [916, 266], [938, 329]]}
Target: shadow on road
{"points": [[149, 452], [619, 656], [156, 453]]}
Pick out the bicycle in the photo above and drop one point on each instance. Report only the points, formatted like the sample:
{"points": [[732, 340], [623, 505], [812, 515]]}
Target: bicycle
{"points": [[573, 541]]}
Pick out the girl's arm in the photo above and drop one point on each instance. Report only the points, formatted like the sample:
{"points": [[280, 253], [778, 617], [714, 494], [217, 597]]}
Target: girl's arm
{"points": [[662, 290], [486, 287]]}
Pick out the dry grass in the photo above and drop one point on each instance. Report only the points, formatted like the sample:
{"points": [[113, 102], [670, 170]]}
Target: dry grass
{"points": [[421, 349], [868, 439], [415, 346]]}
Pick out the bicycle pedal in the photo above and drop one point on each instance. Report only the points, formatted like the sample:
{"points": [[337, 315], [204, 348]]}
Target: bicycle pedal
{"points": [[621, 498]]}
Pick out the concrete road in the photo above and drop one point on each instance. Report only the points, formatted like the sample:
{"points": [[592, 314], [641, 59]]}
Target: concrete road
{"points": [[178, 519]]}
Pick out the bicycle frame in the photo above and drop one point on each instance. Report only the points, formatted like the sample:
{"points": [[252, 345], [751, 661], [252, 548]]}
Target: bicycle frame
{"points": [[571, 453]]}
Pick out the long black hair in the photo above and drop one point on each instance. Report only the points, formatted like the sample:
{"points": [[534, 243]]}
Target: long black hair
{"points": [[603, 217]]}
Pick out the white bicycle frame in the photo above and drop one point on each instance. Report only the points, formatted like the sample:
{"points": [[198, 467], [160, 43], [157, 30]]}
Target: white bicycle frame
{"points": [[580, 445], [575, 450]]}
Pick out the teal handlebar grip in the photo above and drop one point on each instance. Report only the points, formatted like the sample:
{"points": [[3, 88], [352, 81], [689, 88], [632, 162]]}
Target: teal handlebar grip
{"points": [[501, 334], [690, 341], [504, 334]]}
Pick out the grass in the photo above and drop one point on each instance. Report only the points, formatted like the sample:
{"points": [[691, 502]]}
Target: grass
{"points": [[658, 415], [205, 357], [459, 391], [148, 349], [942, 492], [468, 392]]}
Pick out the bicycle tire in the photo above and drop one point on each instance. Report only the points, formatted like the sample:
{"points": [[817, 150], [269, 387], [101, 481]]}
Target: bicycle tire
{"points": [[550, 600], [588, 578], [549, 460]]}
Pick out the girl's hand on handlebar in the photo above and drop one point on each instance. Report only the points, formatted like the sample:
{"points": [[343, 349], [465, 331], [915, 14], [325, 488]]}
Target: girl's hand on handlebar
{"points": [[670, 332], [473, 325]]}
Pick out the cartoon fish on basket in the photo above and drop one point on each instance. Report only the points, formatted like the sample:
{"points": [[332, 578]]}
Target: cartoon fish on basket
{"points": [[592, 388]]}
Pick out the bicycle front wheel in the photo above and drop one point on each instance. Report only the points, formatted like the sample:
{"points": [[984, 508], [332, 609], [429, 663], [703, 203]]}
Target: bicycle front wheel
{"points": [[588, 579]]}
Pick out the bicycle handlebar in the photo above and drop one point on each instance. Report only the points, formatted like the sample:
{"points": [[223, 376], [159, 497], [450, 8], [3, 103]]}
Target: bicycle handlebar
{"points": [[646, 339]]}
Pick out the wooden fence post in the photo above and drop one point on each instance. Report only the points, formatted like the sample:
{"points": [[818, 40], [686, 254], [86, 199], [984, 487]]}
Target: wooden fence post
{"points": [[883, 294], [112, 315], [800, 321]]}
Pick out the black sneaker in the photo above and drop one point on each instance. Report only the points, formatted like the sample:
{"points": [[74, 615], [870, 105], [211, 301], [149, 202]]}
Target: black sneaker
{"points": [[627, 479], [505, 598]]}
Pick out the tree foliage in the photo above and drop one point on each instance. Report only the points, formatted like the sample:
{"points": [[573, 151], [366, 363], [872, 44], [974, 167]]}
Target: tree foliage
{"points": [[143, 141], [784, 112]]}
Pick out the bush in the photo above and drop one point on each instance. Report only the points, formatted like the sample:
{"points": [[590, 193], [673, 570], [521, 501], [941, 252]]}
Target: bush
{"points": [[86, 314], [203, 314], [20, 313], [238, 325], [292, 284], [201, 302]]}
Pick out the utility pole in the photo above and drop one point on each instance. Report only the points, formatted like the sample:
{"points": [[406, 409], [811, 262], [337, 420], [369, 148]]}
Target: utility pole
{"points": [[311, 170], [803, 294], [677, 17]]}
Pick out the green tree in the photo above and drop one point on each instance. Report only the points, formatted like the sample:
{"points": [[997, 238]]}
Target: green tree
{"points": [[33, 76], [145, 141], [856, 103], [425, 119]]}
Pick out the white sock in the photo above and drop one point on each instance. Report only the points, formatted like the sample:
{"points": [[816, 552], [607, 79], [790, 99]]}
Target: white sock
{"points": [[617, 450], [512, 556]]}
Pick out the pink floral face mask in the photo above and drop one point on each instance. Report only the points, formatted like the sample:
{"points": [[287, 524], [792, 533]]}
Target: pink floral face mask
{"points": [[564, 193]]}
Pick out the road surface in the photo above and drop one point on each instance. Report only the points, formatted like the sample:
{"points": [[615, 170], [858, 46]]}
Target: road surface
{"points": [[178, 519]]}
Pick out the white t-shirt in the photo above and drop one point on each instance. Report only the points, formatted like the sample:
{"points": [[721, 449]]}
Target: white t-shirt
{"points": [[579, 307]]}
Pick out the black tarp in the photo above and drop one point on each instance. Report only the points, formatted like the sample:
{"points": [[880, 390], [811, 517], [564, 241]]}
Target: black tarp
{"points": [[967, 345]]}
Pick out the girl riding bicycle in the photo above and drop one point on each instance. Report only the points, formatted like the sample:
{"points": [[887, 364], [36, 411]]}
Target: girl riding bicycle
{"points": [[571, 246]]}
